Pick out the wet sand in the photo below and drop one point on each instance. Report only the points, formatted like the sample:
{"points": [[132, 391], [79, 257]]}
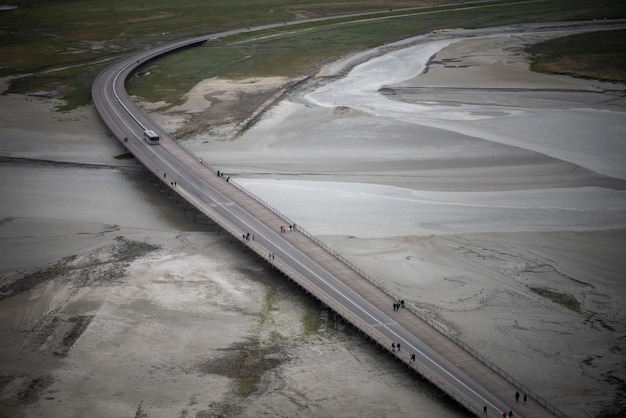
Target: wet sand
{"points": [[466, 223], [116, 302], [134, 308]]}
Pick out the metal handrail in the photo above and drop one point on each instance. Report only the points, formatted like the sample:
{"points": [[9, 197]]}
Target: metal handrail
{"points": [[413, 309]]}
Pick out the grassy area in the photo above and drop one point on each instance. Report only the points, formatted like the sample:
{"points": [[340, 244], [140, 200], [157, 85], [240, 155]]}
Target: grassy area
{"points": [[247, 385], [294, 51], [563, 299], [311, 322], [58, 47], [597, 55]]}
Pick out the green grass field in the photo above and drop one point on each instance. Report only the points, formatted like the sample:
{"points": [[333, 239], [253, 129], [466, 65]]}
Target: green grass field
{"points": [[597, 55], [57, 48]]}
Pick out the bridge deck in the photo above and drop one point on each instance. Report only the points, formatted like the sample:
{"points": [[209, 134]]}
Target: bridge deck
{"points": [[307, 262], [440, 343]]}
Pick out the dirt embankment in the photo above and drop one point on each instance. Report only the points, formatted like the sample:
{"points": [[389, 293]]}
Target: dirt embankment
{"points": [[223, 108]]}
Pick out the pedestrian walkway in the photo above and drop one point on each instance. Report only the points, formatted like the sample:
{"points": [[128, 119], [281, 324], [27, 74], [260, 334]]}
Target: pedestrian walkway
{"points": [[469, 364]]}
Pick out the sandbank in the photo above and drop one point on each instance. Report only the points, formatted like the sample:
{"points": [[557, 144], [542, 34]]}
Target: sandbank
{"points": [[464, 218]]}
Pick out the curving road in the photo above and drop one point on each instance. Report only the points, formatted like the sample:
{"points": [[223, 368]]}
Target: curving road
{"points": [[294, 253]]}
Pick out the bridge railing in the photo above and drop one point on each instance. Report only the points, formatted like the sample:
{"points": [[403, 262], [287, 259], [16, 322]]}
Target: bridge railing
{"points": [[437, 326], [378, 338]]}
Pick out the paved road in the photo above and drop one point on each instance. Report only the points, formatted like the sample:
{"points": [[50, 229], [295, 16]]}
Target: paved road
{"points": [[471, 383]]}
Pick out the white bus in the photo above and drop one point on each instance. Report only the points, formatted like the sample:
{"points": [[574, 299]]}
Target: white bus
{"points": [[151, 137]]}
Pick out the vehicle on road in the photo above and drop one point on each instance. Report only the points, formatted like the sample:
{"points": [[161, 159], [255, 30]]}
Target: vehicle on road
{"points": [[151, 137]]}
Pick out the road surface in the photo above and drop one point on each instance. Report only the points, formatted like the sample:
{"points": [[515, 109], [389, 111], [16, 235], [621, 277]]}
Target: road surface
{"points": [[470, 382]]}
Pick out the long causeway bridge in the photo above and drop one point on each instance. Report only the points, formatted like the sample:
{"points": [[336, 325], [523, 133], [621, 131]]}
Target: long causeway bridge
{"points": [[460, 372]]}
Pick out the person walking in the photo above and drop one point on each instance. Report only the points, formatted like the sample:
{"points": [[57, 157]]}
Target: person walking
{"points": [[485, 410], [517, 397], [510, 413], [524, 399]]}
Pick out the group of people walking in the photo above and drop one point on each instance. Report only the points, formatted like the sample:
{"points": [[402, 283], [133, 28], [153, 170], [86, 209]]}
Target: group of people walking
{"points": [[396, 346], [510, 413], [284, 228], [397, 305], [219, 173]]}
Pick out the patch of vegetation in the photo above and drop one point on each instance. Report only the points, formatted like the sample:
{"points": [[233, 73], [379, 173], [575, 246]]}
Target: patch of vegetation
{"points": [[271, 294], [245, 363], [295, 51], [30, 391], [80, 324], [563, 299], [103, 267], [596, 319], [34, 278], [598, 55], [55, 45], [247, 385], [311, 322], [129, 250], [59, 47]]}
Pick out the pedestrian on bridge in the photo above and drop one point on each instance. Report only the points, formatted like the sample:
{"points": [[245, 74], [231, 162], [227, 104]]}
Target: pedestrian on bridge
{"points": [[517, 396]]}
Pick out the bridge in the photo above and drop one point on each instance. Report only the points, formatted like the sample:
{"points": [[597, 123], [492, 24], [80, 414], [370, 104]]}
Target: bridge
{"points": [[460, 372]]}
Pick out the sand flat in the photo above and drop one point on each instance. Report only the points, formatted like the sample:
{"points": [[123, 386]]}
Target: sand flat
{"points": [[461, 189]]}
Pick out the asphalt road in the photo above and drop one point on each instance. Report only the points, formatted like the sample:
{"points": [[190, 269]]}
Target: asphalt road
{"points": [[239, 214]]}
